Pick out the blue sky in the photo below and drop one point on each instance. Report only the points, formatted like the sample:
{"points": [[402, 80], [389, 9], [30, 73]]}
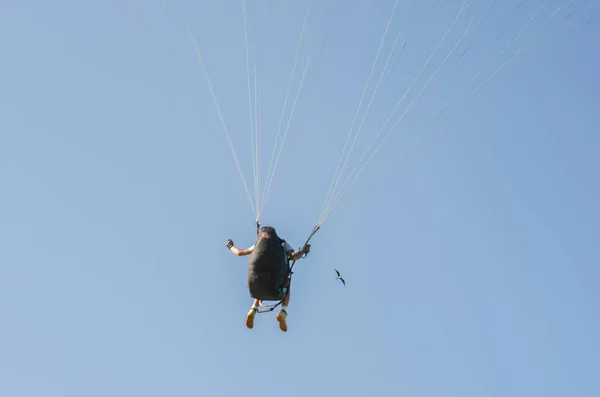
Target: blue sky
{"points": [[469, 250]]}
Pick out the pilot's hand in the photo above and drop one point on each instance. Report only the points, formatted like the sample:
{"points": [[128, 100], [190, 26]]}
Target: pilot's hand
{"points": [[306, 248], [229, 243]]}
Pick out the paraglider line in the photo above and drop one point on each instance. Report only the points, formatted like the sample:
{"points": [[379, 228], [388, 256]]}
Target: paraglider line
{"points": [[285, 150], [252, 138], [351, 181], [216, 103], [288, 126], [367, 113], [271, 164], [434, 89], [335, 175], [583, 44], [135, 20], [258, 127]]}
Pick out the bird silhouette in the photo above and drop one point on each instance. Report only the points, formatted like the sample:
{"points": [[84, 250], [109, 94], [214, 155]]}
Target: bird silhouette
{"points": [[339, 277]]}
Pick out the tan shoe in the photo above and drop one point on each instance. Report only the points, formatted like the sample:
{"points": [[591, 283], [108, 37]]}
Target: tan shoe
{"points": [[281, 317], [250, 318]]}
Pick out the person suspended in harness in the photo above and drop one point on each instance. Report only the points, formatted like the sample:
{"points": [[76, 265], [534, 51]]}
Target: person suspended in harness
{"points": [[269, 271]]}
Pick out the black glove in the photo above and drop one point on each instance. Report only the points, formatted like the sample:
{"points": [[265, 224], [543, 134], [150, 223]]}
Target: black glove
{"points": [[306, 249], [229, 243]]}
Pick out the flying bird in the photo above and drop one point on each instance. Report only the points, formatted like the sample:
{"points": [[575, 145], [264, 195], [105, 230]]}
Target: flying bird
{"points": [[339, 277]]}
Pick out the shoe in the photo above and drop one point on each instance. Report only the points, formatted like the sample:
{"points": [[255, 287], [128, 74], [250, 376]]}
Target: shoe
{"points": [[250, 318], [281, 317]]}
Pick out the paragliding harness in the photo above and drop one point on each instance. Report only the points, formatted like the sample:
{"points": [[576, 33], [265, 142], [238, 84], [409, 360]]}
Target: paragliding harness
{"points": [[284, 288]]}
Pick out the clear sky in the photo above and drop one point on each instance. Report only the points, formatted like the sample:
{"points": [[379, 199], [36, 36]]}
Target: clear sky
{"points": [[470, 250]]}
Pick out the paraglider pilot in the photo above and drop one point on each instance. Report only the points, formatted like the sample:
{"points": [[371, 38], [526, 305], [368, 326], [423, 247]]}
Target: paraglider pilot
{"points": [[269, 271]]}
